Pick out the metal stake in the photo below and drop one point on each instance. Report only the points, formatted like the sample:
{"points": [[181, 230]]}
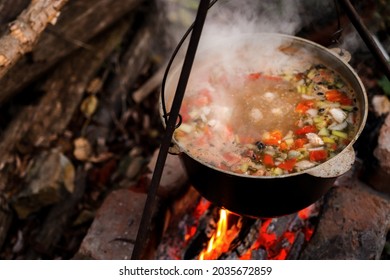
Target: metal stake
{"points": [[142, 235], [366, 36]]}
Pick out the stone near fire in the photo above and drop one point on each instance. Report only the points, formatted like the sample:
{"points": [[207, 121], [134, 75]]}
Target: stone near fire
{"points": [[381, 175], [114, 230], [174, 177], [353, 224], [382, 152], [381, 104]]}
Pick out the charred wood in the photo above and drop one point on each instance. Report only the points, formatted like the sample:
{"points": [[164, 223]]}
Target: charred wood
{"points": [[259, 254], [206, 228], [297, 246], [179, 217], [244, 240]]}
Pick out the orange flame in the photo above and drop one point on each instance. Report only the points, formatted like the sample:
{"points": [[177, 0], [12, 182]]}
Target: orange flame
{"points": [[219, 242]]}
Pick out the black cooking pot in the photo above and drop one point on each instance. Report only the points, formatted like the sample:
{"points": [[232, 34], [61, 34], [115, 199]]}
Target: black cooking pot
{"points": [[270, 196]]}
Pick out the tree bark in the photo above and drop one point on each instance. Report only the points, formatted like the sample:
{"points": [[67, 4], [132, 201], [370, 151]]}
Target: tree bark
{"points": [[24, 32]]}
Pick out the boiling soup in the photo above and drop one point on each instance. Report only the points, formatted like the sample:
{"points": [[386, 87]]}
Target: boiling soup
{"points": [[267, 124]]}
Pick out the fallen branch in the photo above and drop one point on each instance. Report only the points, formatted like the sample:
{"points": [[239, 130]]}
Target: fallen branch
{"points": [[152, 84], [24, 32], [76, 26]]}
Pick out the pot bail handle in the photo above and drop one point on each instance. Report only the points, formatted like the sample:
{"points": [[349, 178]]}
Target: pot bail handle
{"points": [[168, 68], [335, 166]]}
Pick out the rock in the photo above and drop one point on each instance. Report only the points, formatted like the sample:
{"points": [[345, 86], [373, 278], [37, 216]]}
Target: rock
{"points": [[174, 177], [381, 104], [49, 180], [353, 225], [114, 230], [381, 175], [382, 151]]}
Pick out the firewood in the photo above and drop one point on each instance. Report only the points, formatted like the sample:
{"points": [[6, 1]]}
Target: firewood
{"points": [[39, 122], [24, 32], [76, 25]]}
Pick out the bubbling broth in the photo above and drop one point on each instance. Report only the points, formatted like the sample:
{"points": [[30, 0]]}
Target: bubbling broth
{"points": [[265, 123], [262, 105]]}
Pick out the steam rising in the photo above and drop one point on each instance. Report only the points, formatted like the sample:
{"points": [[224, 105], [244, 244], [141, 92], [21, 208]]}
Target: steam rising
{"points": [[230, 17], [238, 41]]}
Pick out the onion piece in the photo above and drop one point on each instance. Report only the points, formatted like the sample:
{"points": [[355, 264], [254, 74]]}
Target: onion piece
{"points": [[338, 126], [289, 135], [312, 112], [315, 149], [314, 139], [338, 114], [304, 164], [293, 154]]}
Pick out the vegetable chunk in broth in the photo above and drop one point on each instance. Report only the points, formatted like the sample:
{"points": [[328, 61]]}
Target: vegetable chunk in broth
{"points": [[267, 124]]}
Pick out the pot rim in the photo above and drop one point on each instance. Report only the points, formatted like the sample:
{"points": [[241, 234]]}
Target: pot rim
{"points": [[349, 147]]}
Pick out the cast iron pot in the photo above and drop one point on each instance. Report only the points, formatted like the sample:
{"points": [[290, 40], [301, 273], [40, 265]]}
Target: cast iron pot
{"points": [[271, 196]]}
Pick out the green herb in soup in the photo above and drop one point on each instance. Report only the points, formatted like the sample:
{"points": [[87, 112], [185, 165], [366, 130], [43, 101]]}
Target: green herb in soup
{"points": [[268, 124]]}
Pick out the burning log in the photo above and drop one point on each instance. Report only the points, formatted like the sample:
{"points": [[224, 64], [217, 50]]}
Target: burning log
{"points": [[217, 234], [182, 218], [248, 234], [297, 246], [205, 230]]}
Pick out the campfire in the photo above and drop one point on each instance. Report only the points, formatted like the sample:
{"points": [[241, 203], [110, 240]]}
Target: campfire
{"points": [[208, 232], [80, 121]]}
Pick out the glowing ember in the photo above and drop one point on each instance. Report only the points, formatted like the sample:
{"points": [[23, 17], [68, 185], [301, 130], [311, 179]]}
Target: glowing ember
{"points": [[273, 239], [202, 206]]}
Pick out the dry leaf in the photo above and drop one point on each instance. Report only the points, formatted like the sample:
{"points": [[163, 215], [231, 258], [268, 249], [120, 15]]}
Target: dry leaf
{"points": [[82, 149], [89, 105]]}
